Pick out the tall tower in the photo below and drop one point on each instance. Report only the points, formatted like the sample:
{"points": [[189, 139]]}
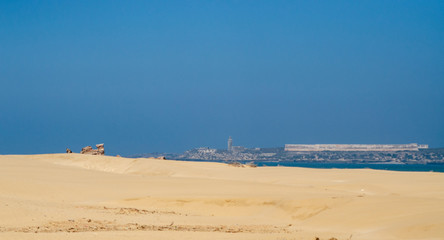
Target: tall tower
{"points": [[230, 144]]}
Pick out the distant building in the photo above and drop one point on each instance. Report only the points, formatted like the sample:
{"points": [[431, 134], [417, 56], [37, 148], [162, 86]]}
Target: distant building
{"points": [[238, 149], [206, 150], [230, 144], [353, 147]]}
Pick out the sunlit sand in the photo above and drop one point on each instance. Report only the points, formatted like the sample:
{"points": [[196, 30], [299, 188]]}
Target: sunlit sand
{"points": [[74, 196]]}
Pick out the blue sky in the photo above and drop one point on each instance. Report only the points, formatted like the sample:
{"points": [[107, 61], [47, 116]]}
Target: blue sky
{"points": [[146, 76]]}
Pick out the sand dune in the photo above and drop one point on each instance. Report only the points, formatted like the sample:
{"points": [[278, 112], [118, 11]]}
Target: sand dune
{"points": [[73, 196]]}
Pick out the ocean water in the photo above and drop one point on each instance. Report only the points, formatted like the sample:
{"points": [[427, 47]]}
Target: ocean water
{"points": [[389, 167]]}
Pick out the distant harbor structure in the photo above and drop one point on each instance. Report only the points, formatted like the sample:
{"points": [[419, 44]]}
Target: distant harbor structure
{"points": [[230, 144], [354, 147]]}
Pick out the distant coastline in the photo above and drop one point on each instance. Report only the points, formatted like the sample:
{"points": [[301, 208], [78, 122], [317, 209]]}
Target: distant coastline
{"points": [[423, 156], [411, 153]]}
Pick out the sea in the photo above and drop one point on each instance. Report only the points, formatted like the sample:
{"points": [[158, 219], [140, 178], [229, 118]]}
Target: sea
{"points": [[388, 167]]}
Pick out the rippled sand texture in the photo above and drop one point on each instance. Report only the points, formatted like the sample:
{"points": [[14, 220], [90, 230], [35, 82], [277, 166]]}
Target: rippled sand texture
{"points": [[73, 196]]}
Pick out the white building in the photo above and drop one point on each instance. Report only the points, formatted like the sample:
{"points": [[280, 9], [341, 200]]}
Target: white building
{"points": [[353, 147]]}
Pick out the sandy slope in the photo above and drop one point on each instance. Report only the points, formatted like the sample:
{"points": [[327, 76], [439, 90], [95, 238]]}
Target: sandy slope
{"points": [[73, 196]]}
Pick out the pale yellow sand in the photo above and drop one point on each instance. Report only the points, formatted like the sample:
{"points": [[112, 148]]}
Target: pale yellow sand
{"points": [[73, 196]]}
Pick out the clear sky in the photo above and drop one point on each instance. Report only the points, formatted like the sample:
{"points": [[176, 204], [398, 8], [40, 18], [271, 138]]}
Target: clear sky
{"points": [[167, 76]]}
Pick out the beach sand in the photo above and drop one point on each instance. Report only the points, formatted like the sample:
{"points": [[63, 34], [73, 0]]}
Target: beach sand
{"points": [[73, 196]]}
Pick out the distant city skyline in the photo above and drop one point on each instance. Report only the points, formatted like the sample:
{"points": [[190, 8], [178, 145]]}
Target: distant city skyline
{"points": [[333, 146], [167, 76]]}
